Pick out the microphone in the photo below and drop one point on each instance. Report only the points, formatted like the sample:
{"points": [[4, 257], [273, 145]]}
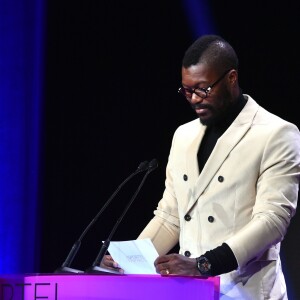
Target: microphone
{"points": [[65, 267], [95, 268]]}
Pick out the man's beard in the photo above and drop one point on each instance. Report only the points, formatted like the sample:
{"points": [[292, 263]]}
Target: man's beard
{"points": [[217, 114]]}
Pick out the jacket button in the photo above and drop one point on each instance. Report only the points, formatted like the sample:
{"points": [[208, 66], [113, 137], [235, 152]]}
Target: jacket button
{"points": [[211, 219], [220, 178], [185, 177], [187, 253], [187, 217]]}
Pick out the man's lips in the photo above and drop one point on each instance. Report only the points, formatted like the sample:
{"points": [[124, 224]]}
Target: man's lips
{"points": [[200, 108], [201, 111]]}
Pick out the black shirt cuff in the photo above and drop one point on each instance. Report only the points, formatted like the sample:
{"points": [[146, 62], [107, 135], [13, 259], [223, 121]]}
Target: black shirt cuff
{"points": [[222, 260]]}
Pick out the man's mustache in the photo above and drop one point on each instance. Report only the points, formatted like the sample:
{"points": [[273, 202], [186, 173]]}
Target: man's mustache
{"points": [[201, 106]]}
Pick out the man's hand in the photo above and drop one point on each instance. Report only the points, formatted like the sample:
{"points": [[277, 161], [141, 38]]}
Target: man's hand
{"points": [[176, 264], [108, 263]]}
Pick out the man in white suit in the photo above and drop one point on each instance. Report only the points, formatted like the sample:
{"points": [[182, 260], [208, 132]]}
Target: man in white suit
{"points": [[231, 183]]}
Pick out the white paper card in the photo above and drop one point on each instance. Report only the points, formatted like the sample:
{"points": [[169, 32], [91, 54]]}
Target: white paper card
{"points": [[134, 257]]}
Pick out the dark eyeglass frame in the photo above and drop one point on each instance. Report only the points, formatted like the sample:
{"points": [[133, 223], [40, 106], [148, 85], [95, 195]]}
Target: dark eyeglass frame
{"points": [[200, 92]]}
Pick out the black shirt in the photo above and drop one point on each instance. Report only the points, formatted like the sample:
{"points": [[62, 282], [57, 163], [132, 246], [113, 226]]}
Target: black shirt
{"points": [[213, 132]]}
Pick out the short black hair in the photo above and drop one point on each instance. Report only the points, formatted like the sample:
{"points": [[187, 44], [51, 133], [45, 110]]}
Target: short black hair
{"points": [[212, 50]]}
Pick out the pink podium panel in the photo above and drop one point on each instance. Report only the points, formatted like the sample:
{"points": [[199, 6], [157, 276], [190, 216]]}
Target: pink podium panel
{"points": [[107, 287]]}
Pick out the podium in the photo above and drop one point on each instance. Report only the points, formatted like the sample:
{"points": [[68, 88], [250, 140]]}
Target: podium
{"points": [[107, 287]]}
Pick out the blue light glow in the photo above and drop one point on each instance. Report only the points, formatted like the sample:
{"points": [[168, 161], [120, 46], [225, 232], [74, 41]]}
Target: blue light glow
{"points": [[21, 74], [199, 17]]}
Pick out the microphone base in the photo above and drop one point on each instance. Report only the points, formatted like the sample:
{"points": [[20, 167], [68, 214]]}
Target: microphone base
{"points": [[67, 270], [100, 270]]}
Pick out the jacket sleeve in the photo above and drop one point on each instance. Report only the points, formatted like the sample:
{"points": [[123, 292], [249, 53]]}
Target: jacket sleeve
{"points": [[163, 235], [163, 229], [276, 198]]}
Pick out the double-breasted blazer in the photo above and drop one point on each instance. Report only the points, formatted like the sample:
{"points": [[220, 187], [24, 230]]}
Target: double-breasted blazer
{"points": [[245, 196]]}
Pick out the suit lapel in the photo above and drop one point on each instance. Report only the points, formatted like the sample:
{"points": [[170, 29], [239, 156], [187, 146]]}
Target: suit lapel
{"points": [[232, 136], [191, 159]]}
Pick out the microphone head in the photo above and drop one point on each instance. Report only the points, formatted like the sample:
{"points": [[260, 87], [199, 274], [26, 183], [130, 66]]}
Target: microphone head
{"points": [[143, 166], [152, 165]]}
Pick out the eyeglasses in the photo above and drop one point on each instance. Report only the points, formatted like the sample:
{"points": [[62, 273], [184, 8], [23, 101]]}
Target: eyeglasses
{"points": [[200, 92]]}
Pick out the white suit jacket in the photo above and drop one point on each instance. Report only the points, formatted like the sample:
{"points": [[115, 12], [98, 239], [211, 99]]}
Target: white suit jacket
{"points": [[245, 196]]}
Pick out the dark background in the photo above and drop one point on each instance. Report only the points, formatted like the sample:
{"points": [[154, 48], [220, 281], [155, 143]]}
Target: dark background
{"points": [[112, 73]]}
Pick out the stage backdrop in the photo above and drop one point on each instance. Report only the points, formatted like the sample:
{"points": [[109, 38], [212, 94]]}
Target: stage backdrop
{"points": [[111, 70]]}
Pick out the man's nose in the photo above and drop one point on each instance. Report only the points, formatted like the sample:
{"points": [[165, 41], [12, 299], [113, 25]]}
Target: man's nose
{"points": [[196, 99]]}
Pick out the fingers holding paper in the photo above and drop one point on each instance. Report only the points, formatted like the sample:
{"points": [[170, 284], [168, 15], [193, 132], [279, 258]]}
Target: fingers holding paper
{"points": [[108, 263], [176, 264]]}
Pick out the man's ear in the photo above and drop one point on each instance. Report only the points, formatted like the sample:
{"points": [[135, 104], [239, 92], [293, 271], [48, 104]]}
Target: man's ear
{"points": [[233, 76]]}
